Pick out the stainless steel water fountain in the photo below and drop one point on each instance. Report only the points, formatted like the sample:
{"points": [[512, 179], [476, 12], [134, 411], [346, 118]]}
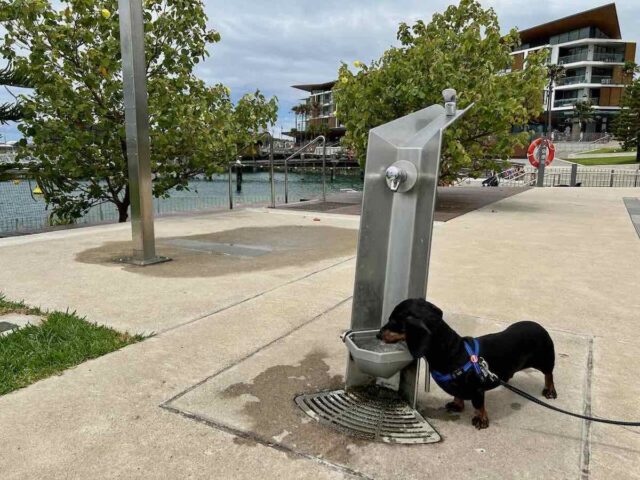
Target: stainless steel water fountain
{"points": [[401, 177]]}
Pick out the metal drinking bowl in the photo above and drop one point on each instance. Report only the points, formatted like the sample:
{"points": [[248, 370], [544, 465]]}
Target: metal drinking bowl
{"points": [[374, 357]]}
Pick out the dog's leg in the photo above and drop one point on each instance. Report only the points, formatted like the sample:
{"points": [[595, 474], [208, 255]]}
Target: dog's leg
{"points": [[456, 406], [549, 388], [481, 418]]}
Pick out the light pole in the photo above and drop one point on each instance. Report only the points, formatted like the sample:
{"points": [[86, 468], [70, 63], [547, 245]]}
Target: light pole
{"points": [[134, 76], [554, 73]]}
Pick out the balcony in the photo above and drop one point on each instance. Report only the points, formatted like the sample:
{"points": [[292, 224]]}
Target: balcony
{"points": [[579, 57], [608, 57], [565, 102], [571, 80], [603, 79]]}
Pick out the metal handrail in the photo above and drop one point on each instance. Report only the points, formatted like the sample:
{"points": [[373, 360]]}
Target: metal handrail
{"points": [[320, 138], [300, 150], [232, 163], [514, 180]]}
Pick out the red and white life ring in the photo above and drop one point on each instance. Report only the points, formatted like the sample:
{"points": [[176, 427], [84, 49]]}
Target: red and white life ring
{"points": [[533, 154]]}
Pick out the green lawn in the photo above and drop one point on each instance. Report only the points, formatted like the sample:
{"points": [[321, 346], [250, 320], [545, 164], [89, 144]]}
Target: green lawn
{"points": [[63, 340], [609, 150], [604, 160]]}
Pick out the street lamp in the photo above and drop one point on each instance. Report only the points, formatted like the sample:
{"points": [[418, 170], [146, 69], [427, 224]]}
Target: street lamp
{"points": [[137, 133]]}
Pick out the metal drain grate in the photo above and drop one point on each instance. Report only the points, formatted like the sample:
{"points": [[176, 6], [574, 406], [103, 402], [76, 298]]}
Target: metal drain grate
{"points": [[369, 414]]}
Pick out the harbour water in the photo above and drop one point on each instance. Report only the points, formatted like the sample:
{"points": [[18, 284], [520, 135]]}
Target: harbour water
{"points": [[21, 211]]}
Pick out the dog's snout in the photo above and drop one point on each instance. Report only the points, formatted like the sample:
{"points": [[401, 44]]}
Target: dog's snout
{"points": [[379, 335]]}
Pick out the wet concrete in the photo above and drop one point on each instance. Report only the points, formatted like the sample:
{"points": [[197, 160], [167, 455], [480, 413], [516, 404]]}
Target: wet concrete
{"points": [[271, 390], [451, 202], [256, 399], [282, 246]]}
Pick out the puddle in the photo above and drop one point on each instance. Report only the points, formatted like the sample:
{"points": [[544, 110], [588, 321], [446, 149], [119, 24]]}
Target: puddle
{"points": [[276, 417], [242, 250]]}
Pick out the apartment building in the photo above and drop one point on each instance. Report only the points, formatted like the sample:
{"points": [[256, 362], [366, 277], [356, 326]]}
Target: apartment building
{"points": [[588, 44], [590, 47], [316, 114]]}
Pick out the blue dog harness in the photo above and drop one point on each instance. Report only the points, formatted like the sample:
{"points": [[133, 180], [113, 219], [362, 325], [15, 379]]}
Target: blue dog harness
{"points": [[472, 363]]}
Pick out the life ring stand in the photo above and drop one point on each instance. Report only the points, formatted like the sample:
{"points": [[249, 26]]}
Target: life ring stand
{"points": [[533, 153]]}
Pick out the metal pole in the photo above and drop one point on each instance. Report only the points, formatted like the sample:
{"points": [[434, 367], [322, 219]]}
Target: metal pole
{"points": [[134, 77], [239, 168], [574, 175], [611, 179], [541, 165], [324, 169], [273, 184], [230, 194], [286, 180]]}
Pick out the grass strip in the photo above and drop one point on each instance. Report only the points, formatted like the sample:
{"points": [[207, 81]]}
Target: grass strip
{"points": [[609, 150], [63, 340], [604, 160]]}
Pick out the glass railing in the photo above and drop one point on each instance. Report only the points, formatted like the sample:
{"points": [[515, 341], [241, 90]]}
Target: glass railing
{"points": [[604, 79], [608, 57], [579, 57], [565, 102], [571, 80]]}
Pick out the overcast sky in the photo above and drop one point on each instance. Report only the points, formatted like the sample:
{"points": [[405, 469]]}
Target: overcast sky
{"points": [[273, 45]]}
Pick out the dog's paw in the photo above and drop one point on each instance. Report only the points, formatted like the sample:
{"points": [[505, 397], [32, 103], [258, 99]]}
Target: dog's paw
{"points": [[454, 407], [480, 422], [550, 393]]}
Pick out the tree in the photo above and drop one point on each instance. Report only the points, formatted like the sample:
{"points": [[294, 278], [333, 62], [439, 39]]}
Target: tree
{"points": [[555, 73], [10, 77], [583, 113], [626, 126], [461, 48], [75, 116]]}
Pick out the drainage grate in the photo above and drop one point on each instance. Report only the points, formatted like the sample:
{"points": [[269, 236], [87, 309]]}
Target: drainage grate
{"points": [[371, 414]]}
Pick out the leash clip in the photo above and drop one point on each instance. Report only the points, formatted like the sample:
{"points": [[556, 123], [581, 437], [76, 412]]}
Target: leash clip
{"points": [[486, 373]]}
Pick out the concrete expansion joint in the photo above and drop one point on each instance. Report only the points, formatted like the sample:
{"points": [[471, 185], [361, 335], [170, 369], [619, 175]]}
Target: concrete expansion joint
{"points": [[253, 297], [263, 347]]}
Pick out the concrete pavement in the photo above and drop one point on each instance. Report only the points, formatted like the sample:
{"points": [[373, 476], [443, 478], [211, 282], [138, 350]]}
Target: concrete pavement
{"points": [[208, 397]]}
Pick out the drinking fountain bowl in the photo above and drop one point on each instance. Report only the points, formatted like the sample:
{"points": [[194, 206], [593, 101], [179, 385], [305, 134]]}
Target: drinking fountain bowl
{"points": [[373, 356]]}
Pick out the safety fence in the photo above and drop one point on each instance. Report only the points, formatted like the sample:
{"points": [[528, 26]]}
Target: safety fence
{"points": [[584, 177], [22, 211]]}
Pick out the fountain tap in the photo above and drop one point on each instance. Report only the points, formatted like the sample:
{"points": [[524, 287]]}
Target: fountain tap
{"points": [[395, 177]]}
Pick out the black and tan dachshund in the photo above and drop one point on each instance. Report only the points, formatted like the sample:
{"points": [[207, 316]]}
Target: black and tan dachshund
{"points": [[522, 345]]}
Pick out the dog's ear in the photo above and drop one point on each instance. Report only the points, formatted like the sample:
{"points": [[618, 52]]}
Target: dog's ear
{"points": [[418, 336]]}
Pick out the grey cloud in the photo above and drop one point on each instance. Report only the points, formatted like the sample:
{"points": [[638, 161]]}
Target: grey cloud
{"points": [[270, 45]]}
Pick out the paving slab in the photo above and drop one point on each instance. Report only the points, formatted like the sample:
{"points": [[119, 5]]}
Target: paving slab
{"points": [[12, 321], [255, 399], [103, 419], [76, 269], [568, 258], [450, 202]]}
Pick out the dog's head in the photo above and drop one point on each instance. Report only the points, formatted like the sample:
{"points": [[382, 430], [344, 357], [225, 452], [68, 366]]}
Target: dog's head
{"points": [[414, 321]]}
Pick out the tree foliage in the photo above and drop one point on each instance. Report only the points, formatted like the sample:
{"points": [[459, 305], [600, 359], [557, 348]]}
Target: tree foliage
{"points": [[461, 48], [75, 116], [626, 126], [583, 113], [12, 77]]}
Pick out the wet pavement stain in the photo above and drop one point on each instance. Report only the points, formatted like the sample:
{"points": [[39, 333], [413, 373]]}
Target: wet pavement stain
{"points": [[516, 406], [285, 246], [276, 417], [440, 413]]}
